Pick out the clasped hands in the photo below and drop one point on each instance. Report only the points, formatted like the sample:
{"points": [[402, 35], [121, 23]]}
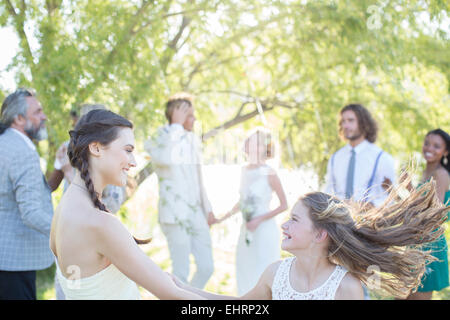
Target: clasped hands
{"points": [[251, 224]]}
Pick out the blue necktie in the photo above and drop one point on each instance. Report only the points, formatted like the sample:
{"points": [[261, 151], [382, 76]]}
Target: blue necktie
{"points": [[350, 176]]}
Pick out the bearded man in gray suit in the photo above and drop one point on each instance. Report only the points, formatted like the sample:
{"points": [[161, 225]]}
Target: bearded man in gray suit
{"points": [[25, 198]]}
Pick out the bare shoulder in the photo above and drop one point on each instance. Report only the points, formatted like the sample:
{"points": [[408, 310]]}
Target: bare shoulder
{"points": [[350, 288], [103, 221], [270, 170], [270, 272], [268, 275], [273, 267], [263, 289], [441, 175], [272, 174]]}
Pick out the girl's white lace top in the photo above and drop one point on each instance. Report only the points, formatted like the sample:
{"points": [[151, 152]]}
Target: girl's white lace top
{"points": [[282, 289]]}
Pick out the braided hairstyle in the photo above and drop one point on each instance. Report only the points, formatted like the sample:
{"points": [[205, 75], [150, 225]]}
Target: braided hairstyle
{"points": [[96, 126]]}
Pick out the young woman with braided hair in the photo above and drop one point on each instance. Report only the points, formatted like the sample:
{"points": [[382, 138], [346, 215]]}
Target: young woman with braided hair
{"points": [[337, 245], [97, 258]]}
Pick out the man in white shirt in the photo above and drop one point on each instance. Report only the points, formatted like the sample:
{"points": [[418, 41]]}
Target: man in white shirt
{"points": [[360, 170], [185, 213]]}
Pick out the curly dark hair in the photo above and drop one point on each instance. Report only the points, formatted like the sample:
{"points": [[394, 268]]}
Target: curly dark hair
{"points": [[96, 126], [446, 137], [366, 123]]}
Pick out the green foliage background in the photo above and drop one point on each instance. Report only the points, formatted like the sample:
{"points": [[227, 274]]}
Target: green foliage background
{"points": [[300, 61], [303, 60]]}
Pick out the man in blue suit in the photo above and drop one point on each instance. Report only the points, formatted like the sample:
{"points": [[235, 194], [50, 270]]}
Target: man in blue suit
{"points": [[25, 198]]}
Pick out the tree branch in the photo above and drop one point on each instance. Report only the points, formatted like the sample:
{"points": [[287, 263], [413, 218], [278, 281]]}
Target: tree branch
{"points": [[167, 15], [239, 118], [172, 45], [233, 122], [19, 20], [248, 31], [241, 108], [196, 69], [126, 37], [10, 7], [184, 23], [52, 5]]}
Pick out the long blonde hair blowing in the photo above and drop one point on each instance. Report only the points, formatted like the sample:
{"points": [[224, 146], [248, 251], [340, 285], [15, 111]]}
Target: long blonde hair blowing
{"points": [[382, 242]]}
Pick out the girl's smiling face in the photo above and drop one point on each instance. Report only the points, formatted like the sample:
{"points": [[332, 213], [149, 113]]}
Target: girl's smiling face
{"points": [[298, 231]]}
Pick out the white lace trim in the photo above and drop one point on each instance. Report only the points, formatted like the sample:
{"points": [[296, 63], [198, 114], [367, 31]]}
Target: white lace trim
{"points": [[282, 289]]}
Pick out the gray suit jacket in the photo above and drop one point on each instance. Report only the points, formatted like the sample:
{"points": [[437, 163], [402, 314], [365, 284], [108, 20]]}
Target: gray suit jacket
{"points": [[26, 208]]}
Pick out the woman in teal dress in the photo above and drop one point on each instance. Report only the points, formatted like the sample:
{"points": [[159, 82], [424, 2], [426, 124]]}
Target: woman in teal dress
{"points": [[435, 150]]}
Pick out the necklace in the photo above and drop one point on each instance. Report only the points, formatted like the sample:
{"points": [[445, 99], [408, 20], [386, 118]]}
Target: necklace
{"points": [[81, 187]]}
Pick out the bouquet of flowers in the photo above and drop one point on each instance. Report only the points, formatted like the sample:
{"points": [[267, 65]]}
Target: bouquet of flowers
{"points": [[248, 208]]}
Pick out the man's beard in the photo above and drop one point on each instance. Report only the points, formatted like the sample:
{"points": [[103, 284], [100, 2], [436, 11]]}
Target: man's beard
{"points": [[38, 134], [354, 137]]}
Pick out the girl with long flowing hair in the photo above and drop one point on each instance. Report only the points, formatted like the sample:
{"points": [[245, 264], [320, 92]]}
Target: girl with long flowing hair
{"points": [[338, 245]]}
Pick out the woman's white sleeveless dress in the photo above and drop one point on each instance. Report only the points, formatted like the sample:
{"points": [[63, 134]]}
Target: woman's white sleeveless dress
{"points": [[263, 247], [282, 289], [108, 284]]}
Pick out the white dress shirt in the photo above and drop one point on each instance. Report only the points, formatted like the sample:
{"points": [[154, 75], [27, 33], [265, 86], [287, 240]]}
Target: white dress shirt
{"points": [[366, 154]]}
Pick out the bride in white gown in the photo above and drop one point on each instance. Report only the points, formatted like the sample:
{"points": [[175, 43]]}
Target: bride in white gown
{"points": [[259, 241], [96, 256]]}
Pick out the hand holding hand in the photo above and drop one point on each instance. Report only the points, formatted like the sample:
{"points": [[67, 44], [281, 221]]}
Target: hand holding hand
{"points": [[212, 219], [387, 183], [224, 217], [404, 176], [175, 280], [254, 223]]}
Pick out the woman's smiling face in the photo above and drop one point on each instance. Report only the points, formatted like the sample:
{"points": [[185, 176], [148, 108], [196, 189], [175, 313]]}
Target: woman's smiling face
{"points": [[118, 158], [434, 148]]}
